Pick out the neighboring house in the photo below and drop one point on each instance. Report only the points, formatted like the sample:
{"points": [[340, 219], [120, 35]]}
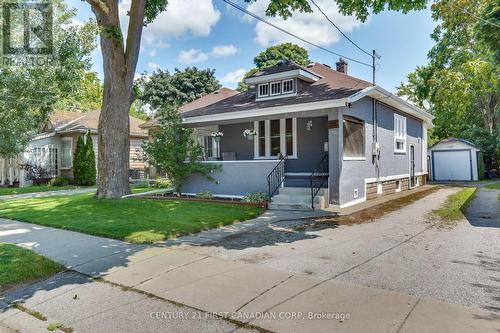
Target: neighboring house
{"points": [[454, 159], [320, 136], [55, 146]]}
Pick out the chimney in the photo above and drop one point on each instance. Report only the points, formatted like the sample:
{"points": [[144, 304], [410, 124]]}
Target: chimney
{"points": [[342, 66]]}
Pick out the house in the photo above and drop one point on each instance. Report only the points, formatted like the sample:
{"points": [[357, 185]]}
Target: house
{"points": [[454, 159], [54, 147], [309, 136]]}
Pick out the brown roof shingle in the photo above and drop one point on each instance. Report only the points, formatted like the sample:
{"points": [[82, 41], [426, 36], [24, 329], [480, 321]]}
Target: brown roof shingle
{"points": [[331, 85]]}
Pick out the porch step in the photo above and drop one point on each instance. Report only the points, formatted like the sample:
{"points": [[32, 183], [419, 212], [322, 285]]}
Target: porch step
{"points": [[298, 198]]}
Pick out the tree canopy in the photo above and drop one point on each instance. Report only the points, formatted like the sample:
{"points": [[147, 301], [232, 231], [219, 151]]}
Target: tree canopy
{"points": [[183, 86], [29, 93], [272, 55], [461, 82]]}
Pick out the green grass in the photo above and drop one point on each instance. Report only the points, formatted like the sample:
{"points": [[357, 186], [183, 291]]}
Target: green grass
{"points": [[135, 220], [455, 204], [19, 265], [493, 186], [35, 189]]}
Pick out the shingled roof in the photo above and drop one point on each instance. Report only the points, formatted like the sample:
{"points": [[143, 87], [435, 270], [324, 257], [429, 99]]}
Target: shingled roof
{"points": [[331, 85]]}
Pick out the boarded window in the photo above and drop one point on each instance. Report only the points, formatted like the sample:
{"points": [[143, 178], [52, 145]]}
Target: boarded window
{"points": [[354, 137]]}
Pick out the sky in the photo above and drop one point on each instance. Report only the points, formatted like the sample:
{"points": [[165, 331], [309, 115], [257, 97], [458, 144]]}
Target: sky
{"points": [[211, 34]]}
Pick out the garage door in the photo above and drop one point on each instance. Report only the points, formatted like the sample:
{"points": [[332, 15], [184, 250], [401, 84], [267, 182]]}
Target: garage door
{"points": [[452, 165]]}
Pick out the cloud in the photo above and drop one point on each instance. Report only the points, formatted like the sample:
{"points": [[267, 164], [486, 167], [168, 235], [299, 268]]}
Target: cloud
{"points": [[223, 50], [192, 56], [181, 17], [153, 65], [311, 26], [234, 76]]}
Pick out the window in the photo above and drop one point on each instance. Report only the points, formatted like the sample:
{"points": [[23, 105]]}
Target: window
{"points": [[276, 137], [211, 148], [354, 138], [399, 134], [275, 88], [52, 162], [66, 153], [288, 86], [263, 90], [37, 156], [398, 186]]}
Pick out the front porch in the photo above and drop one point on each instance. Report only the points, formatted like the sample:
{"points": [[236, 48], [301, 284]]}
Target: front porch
{"points": [[246, 162]]}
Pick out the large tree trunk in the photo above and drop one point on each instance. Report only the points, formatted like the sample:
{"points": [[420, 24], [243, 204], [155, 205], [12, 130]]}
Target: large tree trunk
{"points": [[119, 62]]}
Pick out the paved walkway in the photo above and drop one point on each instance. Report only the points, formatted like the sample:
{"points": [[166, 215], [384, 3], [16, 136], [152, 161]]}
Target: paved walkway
{"points": [[271, 299], [484, 210], [47, 194]]}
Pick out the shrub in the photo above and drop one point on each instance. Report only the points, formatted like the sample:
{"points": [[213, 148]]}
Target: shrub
{"points": [[258, 197], [37, 174], [59, 181], [481, 167], [204, 195], [90, 169], [142, 184], [162, 183], [84, 171]]}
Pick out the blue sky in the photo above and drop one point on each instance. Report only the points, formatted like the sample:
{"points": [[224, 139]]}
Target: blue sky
{"points": [[210, 34]]}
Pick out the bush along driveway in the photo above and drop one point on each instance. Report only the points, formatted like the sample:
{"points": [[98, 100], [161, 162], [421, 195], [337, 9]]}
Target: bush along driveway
{"points": [[135, 220]]}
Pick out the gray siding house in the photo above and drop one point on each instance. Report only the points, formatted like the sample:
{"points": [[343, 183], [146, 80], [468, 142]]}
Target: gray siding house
{"points": [[309, 137]]}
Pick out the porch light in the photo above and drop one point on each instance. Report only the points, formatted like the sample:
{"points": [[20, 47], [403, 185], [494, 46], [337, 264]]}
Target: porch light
{"points": [[309, 125], [249, 134], [217, 136]]}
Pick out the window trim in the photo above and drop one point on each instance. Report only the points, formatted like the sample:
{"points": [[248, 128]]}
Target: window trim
{"points": [[268, 90], [267, 136], [279, 84], [70, 140], [283, 92], [354, 158], [400, 138]]}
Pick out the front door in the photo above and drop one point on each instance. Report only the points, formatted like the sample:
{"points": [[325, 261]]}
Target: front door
{"points": [[412, 166]]}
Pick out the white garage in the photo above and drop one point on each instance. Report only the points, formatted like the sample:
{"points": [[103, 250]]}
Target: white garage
{"points": [[454, 160]]}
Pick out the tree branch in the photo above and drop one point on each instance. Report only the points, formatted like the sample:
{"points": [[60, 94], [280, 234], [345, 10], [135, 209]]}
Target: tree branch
{"points": [[134, 34], [99, 6]]}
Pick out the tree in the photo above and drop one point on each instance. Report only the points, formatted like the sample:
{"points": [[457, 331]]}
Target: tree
{"points": [[79, 161], [461, 81], [90, 169], [120, 60], [272, 55], [28, 94], [181, 87], [173, 150]]}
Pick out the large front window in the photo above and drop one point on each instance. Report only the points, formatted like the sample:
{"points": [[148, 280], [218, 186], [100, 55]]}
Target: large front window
{"points": [[276, 137], [211, 148], [66, 153]]}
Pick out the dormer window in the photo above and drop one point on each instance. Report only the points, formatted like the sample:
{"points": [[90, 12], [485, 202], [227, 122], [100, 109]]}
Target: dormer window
{"points": [[275, 88], [288, 86], [264, 90]]}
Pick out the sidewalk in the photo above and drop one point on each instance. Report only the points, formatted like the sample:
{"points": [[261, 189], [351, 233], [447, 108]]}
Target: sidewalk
{"points": [[251, 293], [47, 194]]}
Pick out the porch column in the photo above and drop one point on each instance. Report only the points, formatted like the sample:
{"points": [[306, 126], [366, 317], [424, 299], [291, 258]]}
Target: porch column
{"points": [[335, 143], [11, 172], [2, 172], [21, 171]]}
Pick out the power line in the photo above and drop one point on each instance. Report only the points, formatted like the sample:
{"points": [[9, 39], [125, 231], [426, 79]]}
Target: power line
{"points": [[232, 4], [340, 30]]}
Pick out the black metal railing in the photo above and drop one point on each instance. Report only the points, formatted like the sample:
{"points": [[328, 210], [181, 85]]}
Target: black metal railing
{"points": [[277, 176], [318, 178]]}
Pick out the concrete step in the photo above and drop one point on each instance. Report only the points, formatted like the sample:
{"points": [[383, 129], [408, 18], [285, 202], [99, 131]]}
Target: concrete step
{"points": [[283, 206], [292, 198], [300, 191]]}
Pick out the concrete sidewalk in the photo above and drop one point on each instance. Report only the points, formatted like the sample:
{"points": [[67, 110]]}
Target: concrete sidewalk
{"points": [[47, 194], [270, 299]]}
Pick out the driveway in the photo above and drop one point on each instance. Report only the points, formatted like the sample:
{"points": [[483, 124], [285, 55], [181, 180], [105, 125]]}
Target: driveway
{"points": [[403, 251]]}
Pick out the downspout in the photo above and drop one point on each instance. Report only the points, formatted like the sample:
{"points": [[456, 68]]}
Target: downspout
{"points": [[375, 144]]}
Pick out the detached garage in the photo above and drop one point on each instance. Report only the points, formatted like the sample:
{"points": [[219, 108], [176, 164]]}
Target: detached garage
{"points": [[454, 159]]}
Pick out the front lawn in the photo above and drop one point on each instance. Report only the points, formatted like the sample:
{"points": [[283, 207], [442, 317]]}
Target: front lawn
{"points": [[19, 265], [455, 204], [35, 189], [135, 220]]}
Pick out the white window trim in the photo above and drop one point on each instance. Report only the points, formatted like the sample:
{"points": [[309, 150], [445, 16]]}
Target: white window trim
{"points": [[70, 140], [397, 137], [271, 89], [267, 134], [283, 92], [268, 90]]}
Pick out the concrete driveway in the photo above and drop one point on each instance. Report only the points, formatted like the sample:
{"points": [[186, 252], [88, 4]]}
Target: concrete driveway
{"points": [[403, 251]]}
